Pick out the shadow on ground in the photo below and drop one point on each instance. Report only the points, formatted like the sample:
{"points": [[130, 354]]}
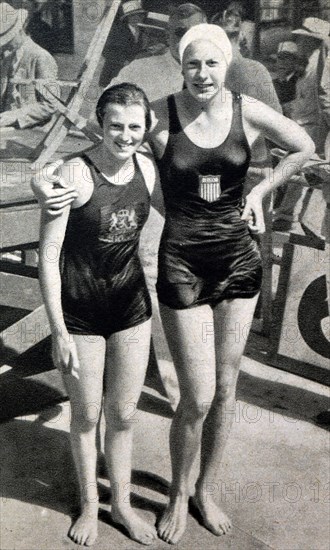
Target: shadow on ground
{"points": [[37, 468], [290, 401]]}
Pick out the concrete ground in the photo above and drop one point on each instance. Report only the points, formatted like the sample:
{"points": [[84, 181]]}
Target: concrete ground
{"points": [[274, 480]]}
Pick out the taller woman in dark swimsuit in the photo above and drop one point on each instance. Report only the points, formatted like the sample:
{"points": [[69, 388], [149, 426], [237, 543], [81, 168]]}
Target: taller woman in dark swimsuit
{"points": [[209, 263]]}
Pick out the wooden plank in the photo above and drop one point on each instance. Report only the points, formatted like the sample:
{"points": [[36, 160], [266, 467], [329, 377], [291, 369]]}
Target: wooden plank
{"points": [[314, 203], [41, 81], [20, 292], [263, 311], [24, 334], [76, 99], [267, 265], [19, 225], [74, 118]]}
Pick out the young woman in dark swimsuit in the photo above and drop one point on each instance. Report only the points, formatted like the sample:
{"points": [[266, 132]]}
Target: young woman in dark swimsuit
{"points": [[97, 301], [209, 272]]}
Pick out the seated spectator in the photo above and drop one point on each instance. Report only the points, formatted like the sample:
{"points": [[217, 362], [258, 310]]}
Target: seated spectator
{"points": [[22, 60]]}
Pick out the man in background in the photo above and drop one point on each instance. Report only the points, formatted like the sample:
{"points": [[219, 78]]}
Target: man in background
{"points": [[307, 110], [289, 67], [21, 60], [310, 109]]}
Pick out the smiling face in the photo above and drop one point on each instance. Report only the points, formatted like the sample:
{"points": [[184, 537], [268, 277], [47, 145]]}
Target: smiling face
{"points": [[204, 69], [124, 127]]}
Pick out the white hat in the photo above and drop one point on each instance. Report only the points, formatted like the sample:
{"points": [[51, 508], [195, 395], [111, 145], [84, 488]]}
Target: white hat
{"points": [[287, 47], [314, 27], [11, 22], [212, 33], [132, 7]]}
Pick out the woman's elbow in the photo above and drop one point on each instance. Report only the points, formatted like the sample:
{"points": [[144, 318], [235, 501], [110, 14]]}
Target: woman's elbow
{"points": [[310, 147]]}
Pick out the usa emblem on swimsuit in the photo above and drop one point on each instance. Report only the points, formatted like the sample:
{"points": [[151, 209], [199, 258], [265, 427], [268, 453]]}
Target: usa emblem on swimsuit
{"points": [[210, 187]]}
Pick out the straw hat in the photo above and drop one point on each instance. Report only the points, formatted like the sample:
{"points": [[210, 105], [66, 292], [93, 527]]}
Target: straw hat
{"points": [[11, 22], [315, 28], [131, 7]]}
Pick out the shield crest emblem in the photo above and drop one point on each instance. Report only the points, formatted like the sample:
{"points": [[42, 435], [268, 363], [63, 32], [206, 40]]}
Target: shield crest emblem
{"points": [[210, 187]]}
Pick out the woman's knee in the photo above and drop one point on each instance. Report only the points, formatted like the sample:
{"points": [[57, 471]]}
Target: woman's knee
{"points": [[85, 417], [226, 391], [196, 408], [120, 416]]}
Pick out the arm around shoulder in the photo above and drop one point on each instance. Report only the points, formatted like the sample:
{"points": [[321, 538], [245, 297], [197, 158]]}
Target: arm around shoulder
{"points": [[52, 186]]}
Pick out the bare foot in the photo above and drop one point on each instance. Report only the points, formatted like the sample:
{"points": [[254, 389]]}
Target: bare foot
{"points": [[137, 528], [174, 520], [214, 519], [84, 530]]}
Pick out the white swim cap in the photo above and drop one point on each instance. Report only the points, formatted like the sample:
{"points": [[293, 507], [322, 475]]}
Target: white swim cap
{"points": [[212, 33]]}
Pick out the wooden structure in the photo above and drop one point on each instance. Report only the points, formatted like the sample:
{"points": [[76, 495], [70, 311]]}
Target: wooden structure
{"points": [[19, 223], [17, 200], [300, 336]]}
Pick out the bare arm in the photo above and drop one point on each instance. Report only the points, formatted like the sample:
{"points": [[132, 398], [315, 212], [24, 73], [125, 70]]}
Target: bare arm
{"points": [[159, 133], [151, 177], [258, 119], [52, 232]]}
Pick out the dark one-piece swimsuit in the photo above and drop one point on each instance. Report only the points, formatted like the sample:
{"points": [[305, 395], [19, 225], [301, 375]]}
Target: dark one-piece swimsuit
{"points": [[103, 285], [207, 253]]}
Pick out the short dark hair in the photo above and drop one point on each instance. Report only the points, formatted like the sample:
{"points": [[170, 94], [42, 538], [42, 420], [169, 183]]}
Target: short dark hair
{"points": [[183, 11], [123, 94]]}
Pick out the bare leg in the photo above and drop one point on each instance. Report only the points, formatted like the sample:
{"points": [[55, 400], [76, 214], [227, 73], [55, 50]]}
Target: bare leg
{"points": [[127, 360], [194, 358], [86, 401], [232, 322]]}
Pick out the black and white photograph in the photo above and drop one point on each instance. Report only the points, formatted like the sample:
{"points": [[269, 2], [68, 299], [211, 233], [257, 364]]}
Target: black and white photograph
{"points": [[165, 274]]}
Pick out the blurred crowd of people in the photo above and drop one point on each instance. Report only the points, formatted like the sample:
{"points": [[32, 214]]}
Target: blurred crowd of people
{"points": [[302, 83]]}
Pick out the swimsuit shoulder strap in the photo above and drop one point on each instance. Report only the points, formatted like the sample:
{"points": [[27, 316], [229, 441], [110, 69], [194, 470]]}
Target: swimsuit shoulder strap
{"points": [[174, 122]]}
